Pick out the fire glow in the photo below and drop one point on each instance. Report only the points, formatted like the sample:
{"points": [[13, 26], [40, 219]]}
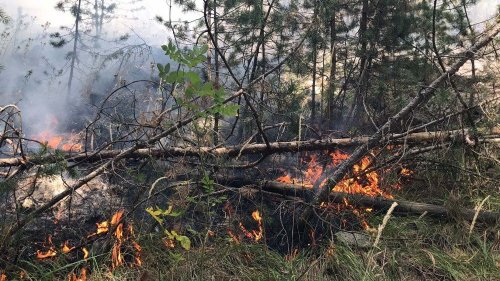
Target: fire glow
{"points": [[50, 252], [124, 246], [363, 182], [65, 142], [366, 183], [82, 277], [254, 235]]}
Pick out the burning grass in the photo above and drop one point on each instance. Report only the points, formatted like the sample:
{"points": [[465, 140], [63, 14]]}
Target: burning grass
{"points": [[410, 249], [240, 236]]}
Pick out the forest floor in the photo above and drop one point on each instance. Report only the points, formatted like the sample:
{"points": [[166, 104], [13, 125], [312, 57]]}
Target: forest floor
{"points": [[410, 248]]}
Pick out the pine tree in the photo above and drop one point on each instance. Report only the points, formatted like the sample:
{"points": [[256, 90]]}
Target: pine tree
{"points": [[90, 17]]}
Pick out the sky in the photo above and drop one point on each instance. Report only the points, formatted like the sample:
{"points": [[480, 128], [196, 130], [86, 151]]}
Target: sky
{"points": [[149, 28], [146, 26]]}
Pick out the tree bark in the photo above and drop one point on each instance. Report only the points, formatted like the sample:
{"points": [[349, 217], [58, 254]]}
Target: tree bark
{"points": [[379, 203], [333, 69], [75, 43], [361, 88], [256, 148]]}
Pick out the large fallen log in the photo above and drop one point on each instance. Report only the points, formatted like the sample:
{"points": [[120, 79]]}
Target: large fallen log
{"points": [[256, 148], [379, 203]]}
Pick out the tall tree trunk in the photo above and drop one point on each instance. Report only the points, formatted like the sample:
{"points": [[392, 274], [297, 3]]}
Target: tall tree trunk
{"points": [[333, 69], [357, 103], [216, 82], [315, 64], [313, 90], [75, 44], [101, 20], [472, 60], [263, 62]]}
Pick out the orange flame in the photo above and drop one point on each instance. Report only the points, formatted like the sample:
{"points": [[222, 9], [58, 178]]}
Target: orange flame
{"points": [[285, 179], [102, 227], [259, 233], [138, 250], [122, 236], [116, 256], [314, 170], [85, 253], [65, 142], [66, 248], [255, 235], [406, 172], [117, 217], [3, 277], [83, 275], [362, 181], [51, 252]]}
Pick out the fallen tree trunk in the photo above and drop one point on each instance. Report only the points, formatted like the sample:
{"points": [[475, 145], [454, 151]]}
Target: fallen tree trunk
{"points": [[236, 150], [380, 203]]}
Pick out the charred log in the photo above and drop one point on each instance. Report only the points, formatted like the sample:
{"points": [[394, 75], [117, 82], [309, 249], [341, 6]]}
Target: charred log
{"points": [[377, 203], [257, 148]]}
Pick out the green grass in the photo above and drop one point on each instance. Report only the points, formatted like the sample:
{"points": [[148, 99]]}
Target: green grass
{"points": [[410, 249]]}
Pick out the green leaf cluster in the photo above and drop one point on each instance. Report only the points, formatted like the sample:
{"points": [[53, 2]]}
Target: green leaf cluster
{"points": [[158, 214], [184, 241], [194, 86]]}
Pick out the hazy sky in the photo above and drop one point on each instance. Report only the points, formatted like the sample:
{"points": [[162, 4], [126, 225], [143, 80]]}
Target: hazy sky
{"points": [[146, 26], [25, 82]]}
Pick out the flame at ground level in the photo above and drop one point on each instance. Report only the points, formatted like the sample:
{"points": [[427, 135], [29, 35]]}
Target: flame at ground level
{"points": [[50, 252], [65, 142], [83, 275], [367, 183], [255, 235], [362, 181]]}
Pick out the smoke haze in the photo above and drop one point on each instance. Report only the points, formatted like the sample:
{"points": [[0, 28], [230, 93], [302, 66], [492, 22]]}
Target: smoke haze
{"points": [[35, 74]]}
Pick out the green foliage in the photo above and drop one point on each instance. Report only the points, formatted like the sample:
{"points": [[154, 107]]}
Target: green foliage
{"points": [[183, 240], [207, 183], [192, 82], [158, 214], [189, 58]]}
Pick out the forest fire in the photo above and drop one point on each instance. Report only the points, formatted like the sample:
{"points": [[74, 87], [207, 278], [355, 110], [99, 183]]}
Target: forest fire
{"points": [[66, 248], [50, 252], [85, 253], [362, 181], [83, 275], [366, 183], [254, 235], [65, 142], [125, 251], [102, 227]]}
